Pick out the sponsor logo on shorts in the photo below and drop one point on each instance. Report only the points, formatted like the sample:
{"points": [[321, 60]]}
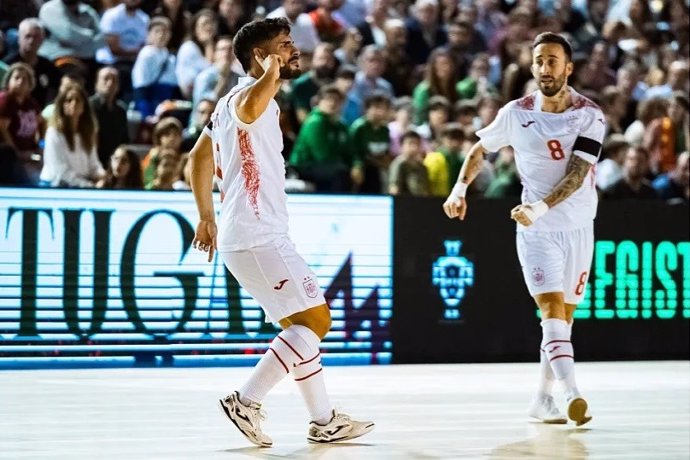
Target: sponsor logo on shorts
{"points": [[310, 287], [538, 277], [280, 284]]}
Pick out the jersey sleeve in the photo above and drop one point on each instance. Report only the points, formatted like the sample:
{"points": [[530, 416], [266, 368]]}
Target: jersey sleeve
{"points": [[497, 134], [588, 142], [208, 129]]}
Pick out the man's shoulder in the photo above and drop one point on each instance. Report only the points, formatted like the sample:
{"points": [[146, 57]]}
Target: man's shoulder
{"points": [[11, 58]]}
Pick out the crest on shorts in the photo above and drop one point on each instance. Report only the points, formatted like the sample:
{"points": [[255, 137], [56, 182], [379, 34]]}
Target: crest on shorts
{"points": [[538, 277], [452, 274], [310, 287]]}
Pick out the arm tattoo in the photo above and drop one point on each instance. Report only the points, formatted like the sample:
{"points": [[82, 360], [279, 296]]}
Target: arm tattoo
{"points": [[575, 174], [471, 167]]}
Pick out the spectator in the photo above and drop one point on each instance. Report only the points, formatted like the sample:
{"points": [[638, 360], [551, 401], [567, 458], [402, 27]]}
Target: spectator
{"points": [[439, 115], [302, 29], [465, 112], [633, 184], [610, 169], [408, 175], [596, 73], [440, 80], [633, 89], [344, 81], [464, 43], [166, 167], [368, 79], [666, 137], [68, 79], [31, 36], [613, 104], [401, 122], [70, 145], [307, 85], [183, 181], [110, 113], [487, 107], [74, 35], [200, 118], [167, 135], [196, 53], [349, 47], [12, 13], [506, 181], [179, 20], [21, 124], [477, 84], [153, 76], [232, 14], [400, 71], [3, 67], [216, 81], [321, 154], [648, 110], [329, 28], [123, 172], [516, 74], [125, 27], [676, 80], [370, 143], [675, 184], [372, 28], [424, 32]]}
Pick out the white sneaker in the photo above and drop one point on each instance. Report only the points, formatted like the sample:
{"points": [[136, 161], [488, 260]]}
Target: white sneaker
{"points": [[544, 408], [578, 411], [340, 428], [247, 418]]}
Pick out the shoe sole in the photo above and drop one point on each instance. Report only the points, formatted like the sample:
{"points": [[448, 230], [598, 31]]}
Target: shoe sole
{"points": [[577, 411], [551, 421], [228, 414], [367, 429]]}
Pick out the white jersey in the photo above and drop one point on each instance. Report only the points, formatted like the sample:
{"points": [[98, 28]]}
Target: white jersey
{"points": [[250, 173], [543, 143]]}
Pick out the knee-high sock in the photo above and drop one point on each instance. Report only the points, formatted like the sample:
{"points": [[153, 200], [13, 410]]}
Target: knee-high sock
{"points": [[286, 351], [546, 377], [559, 351], [308, 375]]}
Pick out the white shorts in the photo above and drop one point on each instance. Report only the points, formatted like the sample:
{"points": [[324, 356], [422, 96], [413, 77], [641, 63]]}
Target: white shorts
{"points": [[557, 261], [277, 277]]}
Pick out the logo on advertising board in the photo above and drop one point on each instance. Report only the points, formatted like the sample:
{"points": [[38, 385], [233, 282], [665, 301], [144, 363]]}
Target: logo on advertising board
{"points": [[452, 274]]}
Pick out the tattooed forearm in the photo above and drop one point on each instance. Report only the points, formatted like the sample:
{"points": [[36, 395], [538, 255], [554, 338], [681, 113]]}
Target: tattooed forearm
{"points": [[575, 174], [473, 164]]}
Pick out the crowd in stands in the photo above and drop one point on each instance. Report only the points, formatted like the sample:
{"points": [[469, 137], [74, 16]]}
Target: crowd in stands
{"points": [[114, 93]]}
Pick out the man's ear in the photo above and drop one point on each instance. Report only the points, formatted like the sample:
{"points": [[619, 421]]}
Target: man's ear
{"points": [[259, 52], [569, 68]]}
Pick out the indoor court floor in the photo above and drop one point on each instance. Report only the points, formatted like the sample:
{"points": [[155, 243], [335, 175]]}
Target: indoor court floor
{"points": [[641, 411]]}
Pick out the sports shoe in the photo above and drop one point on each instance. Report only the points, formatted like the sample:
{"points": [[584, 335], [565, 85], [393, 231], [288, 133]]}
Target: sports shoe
{"points": [[578, 411], [544, 408], [247, 418], [340, 428]]}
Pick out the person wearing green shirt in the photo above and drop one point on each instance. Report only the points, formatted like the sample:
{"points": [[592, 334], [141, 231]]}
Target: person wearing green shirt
{"points": [[321, 153], [370, 141]]}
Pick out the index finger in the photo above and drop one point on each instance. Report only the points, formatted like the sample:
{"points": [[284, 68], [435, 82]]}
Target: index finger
{"points": [[211, 250]]}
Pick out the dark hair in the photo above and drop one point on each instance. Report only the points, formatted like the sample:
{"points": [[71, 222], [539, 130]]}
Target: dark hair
{"points": [[680, 98], [134, 179], [376, 98], [164, 126], [465, 107], [453, 130], [195, 19], [20, 67], [346, 71], [161, 21], [410, 134], [254, 34], [86, 127], [439, 102], [330, 90], [550, 37]]}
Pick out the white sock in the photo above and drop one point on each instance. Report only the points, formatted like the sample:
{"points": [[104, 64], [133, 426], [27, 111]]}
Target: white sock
{"points": [[559, 351], [308, 375], [546, 377], [286, 352]]}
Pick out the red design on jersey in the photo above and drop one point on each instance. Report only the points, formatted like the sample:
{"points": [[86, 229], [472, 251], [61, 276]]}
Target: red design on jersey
{"points": [[222, 196], [219, 173], [580, 102], [527, 102], [250, 169]]}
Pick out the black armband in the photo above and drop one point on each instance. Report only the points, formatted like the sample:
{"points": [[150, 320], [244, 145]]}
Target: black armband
{"points": [[588, 146]]}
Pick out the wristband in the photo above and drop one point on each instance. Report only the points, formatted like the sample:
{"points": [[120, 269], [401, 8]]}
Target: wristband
{"points": [[459, 190], [535, 210]]}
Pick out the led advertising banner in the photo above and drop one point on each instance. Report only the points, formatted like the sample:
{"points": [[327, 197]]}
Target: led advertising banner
{"points": [[109, 277], [460, 294]]}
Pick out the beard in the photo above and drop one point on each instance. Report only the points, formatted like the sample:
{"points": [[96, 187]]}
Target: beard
{"points": [[552, 88], [288, 72]]}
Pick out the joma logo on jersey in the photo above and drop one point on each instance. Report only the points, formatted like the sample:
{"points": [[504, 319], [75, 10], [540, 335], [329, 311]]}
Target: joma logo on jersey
{"points": [[452, 274]]}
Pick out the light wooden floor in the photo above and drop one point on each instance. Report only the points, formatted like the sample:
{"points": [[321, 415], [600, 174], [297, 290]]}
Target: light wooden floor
{"points": [[641, 410]]}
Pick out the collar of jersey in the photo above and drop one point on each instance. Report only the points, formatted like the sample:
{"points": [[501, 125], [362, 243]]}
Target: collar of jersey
{"points": [[539, 97]]}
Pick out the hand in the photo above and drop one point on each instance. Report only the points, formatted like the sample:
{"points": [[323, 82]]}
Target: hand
{"points": [[519, 216], [205, 237], [357, 175], [455, 207], [271, 63]]}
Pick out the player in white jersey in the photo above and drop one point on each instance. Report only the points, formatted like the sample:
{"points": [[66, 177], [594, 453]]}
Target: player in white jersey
{"points": [[556, 134], [242, 148]]}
